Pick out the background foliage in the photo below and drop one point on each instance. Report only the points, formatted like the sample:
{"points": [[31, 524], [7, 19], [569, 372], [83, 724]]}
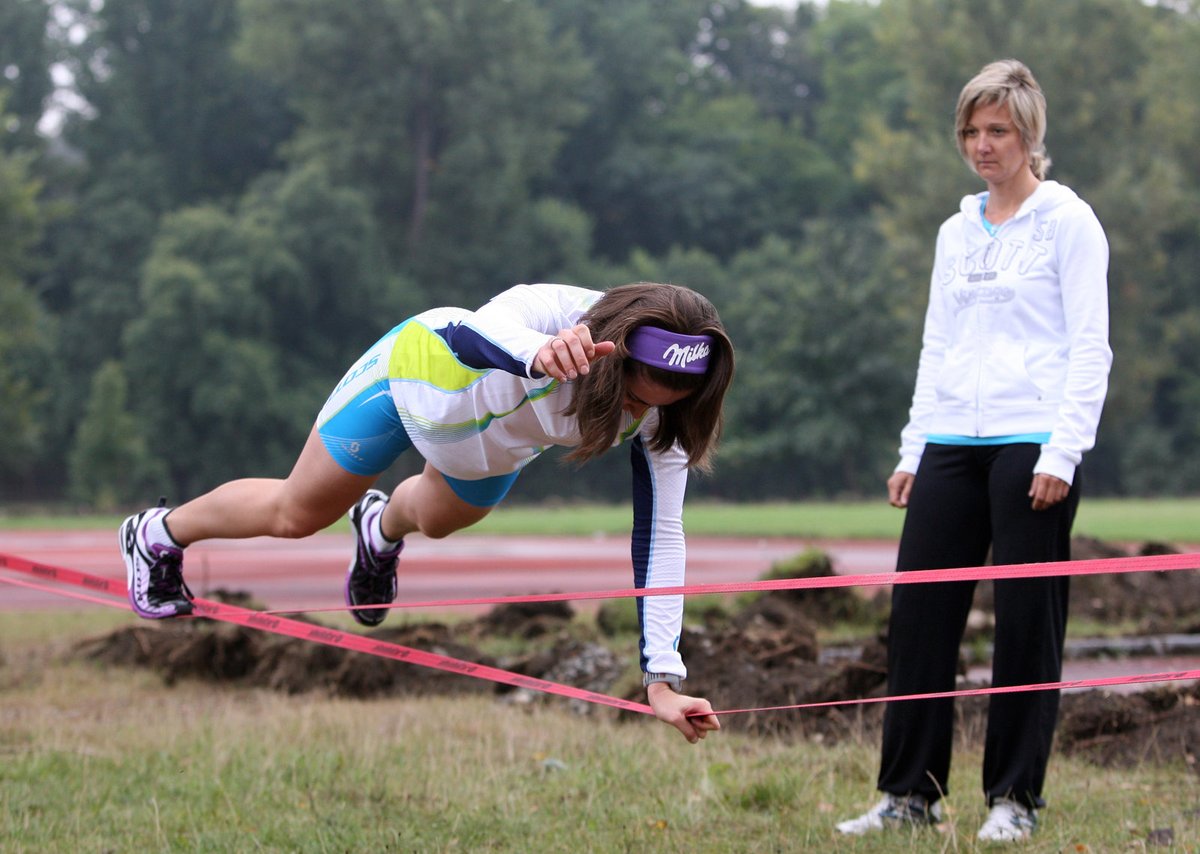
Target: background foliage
{"points": [[208, 208]]}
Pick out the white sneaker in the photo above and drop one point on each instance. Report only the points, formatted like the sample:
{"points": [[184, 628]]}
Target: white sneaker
{"points": [[153, 571], [371, 578], [1008, 821], [894, 811]]}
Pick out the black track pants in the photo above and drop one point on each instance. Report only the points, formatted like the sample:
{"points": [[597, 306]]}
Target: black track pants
{"points": [[965, 499]]}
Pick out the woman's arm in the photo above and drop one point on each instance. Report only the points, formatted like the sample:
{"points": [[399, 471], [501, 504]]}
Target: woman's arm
{"points": [[659, 559], [1083, 278], [934, 340], [513, 330]]}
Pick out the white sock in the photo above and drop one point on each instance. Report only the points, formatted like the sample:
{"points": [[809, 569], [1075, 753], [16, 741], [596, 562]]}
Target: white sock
{"points": [[155, 531], [379, 543]]}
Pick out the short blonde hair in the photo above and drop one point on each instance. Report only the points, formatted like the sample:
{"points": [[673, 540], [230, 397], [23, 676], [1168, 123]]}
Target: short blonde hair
{"points": [[1010, 84]]}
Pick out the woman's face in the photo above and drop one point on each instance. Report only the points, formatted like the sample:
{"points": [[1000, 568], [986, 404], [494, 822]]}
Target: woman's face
{"points": [[994, 146], [641, 393]]}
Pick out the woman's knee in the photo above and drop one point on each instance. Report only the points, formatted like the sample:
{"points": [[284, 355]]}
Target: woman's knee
{"points": [[434, 508], [294, 523], [441, 527], [442, 521]]}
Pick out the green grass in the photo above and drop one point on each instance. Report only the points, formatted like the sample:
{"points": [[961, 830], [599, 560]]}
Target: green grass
{"points": [[96, 759], [107, 759], [113, 760], [809, 520], [1122, 520], [1163, 520], [1173, 520]]}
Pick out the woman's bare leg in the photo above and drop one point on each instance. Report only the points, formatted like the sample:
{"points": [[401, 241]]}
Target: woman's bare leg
{"points": [[426, 503], [315, 495]]}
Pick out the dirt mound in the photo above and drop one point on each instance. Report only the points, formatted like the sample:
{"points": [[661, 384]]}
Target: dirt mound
{"points": [[764, 654], [1156, 602], [526, 620], [1161, 725], [1150, 603], [230, 654]]}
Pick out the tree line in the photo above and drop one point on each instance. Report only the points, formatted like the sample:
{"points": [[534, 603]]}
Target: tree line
{"points": [[209, 208]]}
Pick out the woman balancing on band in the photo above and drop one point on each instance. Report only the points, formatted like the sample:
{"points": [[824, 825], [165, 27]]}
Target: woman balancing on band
{"points": [[480, 394]]}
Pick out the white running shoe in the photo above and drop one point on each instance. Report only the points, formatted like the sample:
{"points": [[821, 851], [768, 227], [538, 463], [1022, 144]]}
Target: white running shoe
{"points": [[153, 571], [1008, 821], [371, 579], [894, 811]]}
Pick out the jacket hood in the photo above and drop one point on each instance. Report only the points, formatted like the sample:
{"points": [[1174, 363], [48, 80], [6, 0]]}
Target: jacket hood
{"points": [[1048, 196]]}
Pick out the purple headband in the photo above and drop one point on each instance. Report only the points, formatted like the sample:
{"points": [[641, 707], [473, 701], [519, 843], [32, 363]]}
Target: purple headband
{"points": [[671, 351]]}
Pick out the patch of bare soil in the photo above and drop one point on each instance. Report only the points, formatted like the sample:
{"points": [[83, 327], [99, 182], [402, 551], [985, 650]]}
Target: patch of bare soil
{"points": [[764, 653], [1161, 725]]}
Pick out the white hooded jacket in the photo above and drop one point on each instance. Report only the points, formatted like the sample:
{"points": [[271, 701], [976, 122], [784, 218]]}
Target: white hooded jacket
{"points": [[1016, 332]]}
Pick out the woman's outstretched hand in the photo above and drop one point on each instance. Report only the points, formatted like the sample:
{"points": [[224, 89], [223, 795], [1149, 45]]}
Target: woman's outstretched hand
{"points": [[675, 709], [570, 353]]}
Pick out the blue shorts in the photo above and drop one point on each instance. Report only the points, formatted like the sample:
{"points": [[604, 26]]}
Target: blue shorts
{"points": [[361, 429]]}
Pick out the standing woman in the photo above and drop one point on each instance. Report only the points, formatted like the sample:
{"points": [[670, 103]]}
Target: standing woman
{"points": [[480, 394], [1011, 381]]}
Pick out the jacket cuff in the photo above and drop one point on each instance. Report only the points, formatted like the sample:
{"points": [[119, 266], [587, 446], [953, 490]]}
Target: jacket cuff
{"points": [[1053, 462], [667, 661], [671, 679]]}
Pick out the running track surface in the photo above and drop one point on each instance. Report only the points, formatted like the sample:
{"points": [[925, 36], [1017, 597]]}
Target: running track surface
{"points": [[308, 573]]}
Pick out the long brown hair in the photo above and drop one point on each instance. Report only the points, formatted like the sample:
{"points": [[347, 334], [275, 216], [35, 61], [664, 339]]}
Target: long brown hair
{"points": [[695, 421]]}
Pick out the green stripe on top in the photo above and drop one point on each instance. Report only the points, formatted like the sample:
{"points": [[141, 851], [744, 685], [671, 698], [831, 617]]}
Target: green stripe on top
{"points": [[422, 357], [631, 429], [421, 352], [443, 433]]}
